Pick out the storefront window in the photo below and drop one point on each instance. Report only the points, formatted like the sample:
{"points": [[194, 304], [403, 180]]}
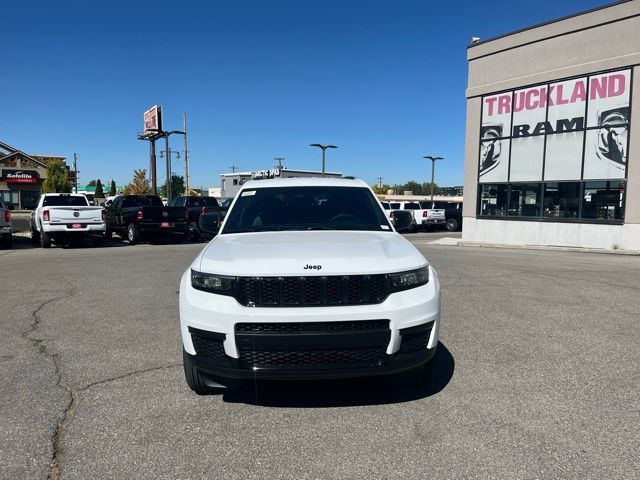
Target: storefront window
{"points": [[603, 200], [10, 199], [493, 200], [561, 199], [524, 200]]}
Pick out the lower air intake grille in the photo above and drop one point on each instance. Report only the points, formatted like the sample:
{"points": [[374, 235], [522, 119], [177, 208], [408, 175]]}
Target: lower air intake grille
{"points": [[415, 338], [293, 358], [208, 346]]}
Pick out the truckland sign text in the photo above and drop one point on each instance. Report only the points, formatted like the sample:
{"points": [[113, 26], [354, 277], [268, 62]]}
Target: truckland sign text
{"points": [[564, 130]]}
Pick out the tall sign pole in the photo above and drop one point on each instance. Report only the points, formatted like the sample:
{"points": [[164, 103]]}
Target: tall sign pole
{"points": [[186, 154], [154, 182], [166, 144], [75, 171]]}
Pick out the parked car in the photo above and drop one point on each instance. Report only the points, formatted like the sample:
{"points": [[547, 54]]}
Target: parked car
{"points": [[6, 234], [402, 220], [423, 217], [196, 206], [307, 279], [225, 203], [144, 217], [66, 217], [452, 213]]}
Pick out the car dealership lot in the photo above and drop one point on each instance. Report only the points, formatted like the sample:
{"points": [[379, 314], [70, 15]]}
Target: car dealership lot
{"points": [[537, 377]]}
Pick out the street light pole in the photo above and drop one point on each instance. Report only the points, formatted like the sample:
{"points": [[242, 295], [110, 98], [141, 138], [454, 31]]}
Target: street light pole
{"points": [[433, 168], [166, 143], [324, 148]]}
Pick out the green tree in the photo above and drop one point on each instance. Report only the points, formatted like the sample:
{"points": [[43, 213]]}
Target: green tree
{"points": [[99, 190], [177, 186], [139, 185], [112, 190], [92, 183], [57, 180], [381, 190]]}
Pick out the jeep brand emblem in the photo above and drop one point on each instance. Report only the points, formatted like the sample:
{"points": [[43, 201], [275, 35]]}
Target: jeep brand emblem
{"points": [[312, 267], [165, 214], [76, 214]]}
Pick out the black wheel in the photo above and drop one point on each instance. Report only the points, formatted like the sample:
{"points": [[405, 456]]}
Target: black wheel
{"points": [[193, 377], [35, 236], [132, 234], [452, 225], [193, 233], [97, 241], [413, 228], [108, 235], [45, 240], [7, 241]]}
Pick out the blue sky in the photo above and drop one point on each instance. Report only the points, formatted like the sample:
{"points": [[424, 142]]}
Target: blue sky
{"points": [[384, 81]]}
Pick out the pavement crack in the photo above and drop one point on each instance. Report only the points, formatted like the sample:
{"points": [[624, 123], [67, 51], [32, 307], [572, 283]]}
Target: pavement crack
{"points": [[61, 382], [128, 374]]}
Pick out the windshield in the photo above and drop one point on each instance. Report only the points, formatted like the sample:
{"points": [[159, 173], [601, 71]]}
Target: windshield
{"points": [[305, 208], [65, 201]]}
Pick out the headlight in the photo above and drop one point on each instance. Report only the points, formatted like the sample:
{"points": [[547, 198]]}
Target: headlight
{"points": [[212, 283], [410, 279]]}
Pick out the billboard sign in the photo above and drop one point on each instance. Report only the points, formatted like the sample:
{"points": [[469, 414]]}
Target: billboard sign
{"points": [[566, 130], [20, 176], [153, 120], [270, 173]]}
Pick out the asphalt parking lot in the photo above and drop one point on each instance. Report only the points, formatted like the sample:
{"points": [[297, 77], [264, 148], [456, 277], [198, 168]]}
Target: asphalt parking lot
{"points": [[538, 377]]}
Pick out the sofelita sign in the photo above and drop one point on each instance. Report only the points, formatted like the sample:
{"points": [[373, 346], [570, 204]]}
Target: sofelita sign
{"points": [[20, 176]]}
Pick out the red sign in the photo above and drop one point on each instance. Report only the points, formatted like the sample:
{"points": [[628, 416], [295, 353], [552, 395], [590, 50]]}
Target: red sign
{"points": [[20, 176]]}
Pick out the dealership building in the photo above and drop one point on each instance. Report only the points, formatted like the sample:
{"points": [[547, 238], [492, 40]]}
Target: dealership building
{"points": [[230, 183], [21, 176], [551, 158]]}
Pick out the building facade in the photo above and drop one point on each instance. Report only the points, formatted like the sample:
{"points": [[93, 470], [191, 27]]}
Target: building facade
{"points": [[230, 183], [551, 158], [21, 177]]}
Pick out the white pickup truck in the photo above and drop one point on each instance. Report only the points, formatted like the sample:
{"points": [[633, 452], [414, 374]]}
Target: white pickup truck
{"points": [[6, 239], [66, 217], [422, 217]]}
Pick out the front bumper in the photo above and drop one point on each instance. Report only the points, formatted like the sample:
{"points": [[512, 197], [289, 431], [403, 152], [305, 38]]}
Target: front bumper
{"points": [[217, 316]]}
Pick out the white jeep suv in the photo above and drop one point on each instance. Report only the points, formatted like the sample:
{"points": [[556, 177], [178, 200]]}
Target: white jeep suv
{"points": [[307, 279]]}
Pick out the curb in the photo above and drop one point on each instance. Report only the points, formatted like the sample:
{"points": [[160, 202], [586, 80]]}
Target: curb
{"points": [[551, 248]]}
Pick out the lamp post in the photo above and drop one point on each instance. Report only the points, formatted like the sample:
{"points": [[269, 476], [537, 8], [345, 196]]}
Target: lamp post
{"points": [[433, 168], [324, 149], [166, 142]]}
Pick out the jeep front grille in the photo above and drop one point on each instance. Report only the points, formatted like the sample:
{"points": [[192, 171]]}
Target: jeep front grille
{"points": [[312, 291]]}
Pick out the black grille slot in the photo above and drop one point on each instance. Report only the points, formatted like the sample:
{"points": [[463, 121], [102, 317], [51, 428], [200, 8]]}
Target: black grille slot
{"points": [[268, 328], [415, 338], [289, 358], [357, 326], [208, 346], [311, 291]]}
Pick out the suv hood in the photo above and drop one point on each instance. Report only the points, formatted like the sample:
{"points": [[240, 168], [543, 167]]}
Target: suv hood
{"points": [[288, 253]]}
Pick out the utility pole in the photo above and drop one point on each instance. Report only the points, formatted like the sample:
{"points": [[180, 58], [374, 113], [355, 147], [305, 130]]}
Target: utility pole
{"points": [[279, 160], [380, 181], [233, 168], [186, 154], [75, 171]]}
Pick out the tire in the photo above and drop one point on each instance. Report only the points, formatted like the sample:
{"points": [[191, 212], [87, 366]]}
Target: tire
{"points": [[413, 228], [193, 377], [7, 241], [98, 241], [452, 225], [45, 240], [108, 235], [132, 234], [35, 236], [193, 232]]}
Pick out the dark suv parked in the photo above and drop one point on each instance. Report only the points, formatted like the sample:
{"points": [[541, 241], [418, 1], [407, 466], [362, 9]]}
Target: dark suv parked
{"points": [[196, 206]]}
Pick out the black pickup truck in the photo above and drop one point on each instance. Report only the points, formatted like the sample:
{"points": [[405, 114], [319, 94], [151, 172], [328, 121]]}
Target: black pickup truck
{"points": [[196, 206], [144, 217]]}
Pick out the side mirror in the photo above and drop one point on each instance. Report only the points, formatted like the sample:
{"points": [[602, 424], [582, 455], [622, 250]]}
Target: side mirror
{"points": [[402, 220], [209, 223]]}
